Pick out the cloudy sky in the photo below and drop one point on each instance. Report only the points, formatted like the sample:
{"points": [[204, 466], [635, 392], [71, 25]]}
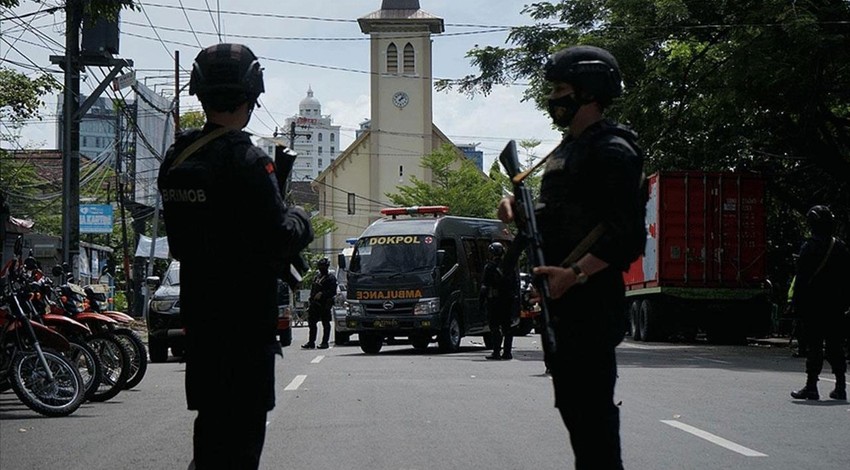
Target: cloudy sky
{"points": [[302, 44]]}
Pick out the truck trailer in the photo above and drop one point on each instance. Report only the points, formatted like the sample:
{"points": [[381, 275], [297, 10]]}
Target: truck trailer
{"points": [[704, 268]]}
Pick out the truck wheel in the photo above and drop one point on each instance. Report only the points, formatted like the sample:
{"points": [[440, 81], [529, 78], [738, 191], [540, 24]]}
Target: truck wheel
{"points": [[650, 324], [449, 337], [371, 343], [634, 318], [341, 339]]}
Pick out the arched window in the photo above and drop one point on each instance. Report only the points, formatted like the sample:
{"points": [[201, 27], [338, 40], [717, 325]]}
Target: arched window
{"points": [[409, 59], [392, 58], [332, 137], [320, 136]]}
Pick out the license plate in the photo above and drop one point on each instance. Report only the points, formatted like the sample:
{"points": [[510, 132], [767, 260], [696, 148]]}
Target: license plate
{"points": [[384, 323]]}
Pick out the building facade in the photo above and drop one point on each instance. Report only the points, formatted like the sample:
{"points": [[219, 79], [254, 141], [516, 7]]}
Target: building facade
{"points": [[316, 139]]}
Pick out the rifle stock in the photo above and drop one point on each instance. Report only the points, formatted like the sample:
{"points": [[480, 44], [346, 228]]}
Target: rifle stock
{"points": [[284, 159], [528, 238]]}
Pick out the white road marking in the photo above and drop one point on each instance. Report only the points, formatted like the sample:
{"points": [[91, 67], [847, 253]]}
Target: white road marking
{"points": [[714, 439], [317, 359], [296, 382], [826, 379]]}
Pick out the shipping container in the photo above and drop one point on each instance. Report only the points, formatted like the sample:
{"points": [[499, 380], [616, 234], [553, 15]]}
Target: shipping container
{"points": [[704, 266]]}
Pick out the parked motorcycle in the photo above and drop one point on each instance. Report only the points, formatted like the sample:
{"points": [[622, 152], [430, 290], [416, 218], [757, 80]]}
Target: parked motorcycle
{"points": [[82, 354], [114, 356], [96, 297], [42, 378]]}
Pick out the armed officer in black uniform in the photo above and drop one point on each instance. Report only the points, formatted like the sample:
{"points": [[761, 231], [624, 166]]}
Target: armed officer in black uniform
{"points": [[500, 295], [592, 179], [229, 227], [322, 294]]}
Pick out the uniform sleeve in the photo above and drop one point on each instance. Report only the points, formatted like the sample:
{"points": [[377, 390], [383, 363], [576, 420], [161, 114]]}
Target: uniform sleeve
{"points": [[620, 171], [285, 231]]}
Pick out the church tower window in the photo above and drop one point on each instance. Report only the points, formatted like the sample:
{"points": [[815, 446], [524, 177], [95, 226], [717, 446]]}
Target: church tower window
{"points": [[409, 59], [392, 58]]}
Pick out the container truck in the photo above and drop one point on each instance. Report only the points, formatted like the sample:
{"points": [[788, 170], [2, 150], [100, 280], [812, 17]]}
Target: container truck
{"points": [[703, 271]]}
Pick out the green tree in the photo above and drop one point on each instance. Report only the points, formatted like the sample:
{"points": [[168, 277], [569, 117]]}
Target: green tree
{"points": [[711, 84], [192, 120], [457, 183]]}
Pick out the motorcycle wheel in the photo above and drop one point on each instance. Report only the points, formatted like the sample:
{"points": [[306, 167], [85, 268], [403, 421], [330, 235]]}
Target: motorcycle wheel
{"points": [[85, 359], [138, 355], [116, 365], [59, 397]]}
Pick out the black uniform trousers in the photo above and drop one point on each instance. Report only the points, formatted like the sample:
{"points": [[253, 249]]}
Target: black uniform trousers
{"points": [[589, 323], [229, 439], [829, 331], [319, 313], [500, 319]]}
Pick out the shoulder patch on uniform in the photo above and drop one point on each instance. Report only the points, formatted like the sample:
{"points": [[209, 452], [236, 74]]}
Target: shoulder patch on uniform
{"points": [[255, 154], [270, 167]]}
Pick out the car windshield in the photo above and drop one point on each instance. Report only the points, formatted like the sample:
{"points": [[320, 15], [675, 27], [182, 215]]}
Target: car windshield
{"points": [[172, 275], [393, 254]]}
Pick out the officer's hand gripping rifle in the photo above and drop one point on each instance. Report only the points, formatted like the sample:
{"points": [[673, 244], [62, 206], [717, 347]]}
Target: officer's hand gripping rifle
{"points": [[528, 238], [284, 159]]}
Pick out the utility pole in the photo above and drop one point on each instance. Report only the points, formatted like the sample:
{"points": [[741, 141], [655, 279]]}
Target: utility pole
{"points": [[176, 93], [292, 135], [73, 64], [71, 135]]}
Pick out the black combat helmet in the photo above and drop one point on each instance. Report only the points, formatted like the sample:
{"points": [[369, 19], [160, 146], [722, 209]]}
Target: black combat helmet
{"points": [[590, 69], [229, 70], [497, 249], [323, 263], [821, 220]]}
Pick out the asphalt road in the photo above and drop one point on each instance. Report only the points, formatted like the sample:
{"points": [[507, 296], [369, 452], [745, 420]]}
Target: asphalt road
{"points": [[684, 406]]}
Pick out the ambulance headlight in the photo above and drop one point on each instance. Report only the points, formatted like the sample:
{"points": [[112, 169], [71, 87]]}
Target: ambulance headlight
{"points": [[427, 307], [356, 310]]}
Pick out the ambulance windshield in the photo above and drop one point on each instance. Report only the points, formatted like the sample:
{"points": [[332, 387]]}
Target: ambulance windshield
{"points": [[393, 254]]}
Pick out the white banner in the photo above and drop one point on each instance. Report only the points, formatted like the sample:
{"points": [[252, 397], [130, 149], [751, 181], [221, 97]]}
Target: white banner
{"points": [[144, 248]]}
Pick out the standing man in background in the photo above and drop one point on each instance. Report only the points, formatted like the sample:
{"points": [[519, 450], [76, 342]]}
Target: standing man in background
{"points": [[500, 295], [210, 178], [592, 179], [821, 296], [322, 295]]}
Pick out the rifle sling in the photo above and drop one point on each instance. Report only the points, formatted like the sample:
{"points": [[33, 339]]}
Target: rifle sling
{"points": [[584, 245], [196, 145]]}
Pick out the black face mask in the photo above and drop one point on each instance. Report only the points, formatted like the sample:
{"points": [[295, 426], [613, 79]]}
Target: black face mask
{"points": [[564, 109]]}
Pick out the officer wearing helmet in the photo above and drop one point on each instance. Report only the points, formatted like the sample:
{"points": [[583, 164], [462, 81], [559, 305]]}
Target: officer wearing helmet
{"points": [[228, 225], [500, 296], [590, 194], [820, 299], [322, 294]]}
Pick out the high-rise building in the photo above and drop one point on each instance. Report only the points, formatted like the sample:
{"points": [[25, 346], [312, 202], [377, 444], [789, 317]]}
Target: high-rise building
{"points": [[316, 139], [473, 154]]}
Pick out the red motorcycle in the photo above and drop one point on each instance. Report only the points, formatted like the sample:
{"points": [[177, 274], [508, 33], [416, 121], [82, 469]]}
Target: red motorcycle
{"points": [[96, 301], [83, 343], [31, 357], [68, 300]]}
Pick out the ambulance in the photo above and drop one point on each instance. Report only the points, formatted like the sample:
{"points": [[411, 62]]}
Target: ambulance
{"points": [[416, 273]]}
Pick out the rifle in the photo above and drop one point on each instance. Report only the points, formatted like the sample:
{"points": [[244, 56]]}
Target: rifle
{"points": [[284, 159], [528, 238]]}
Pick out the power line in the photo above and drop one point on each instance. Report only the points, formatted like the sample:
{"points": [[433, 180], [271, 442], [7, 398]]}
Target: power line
{"points": [[185, 14]]}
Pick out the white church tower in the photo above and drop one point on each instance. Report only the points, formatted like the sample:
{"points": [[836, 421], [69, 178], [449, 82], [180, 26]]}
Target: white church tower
{"points": [[401, 85]]}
